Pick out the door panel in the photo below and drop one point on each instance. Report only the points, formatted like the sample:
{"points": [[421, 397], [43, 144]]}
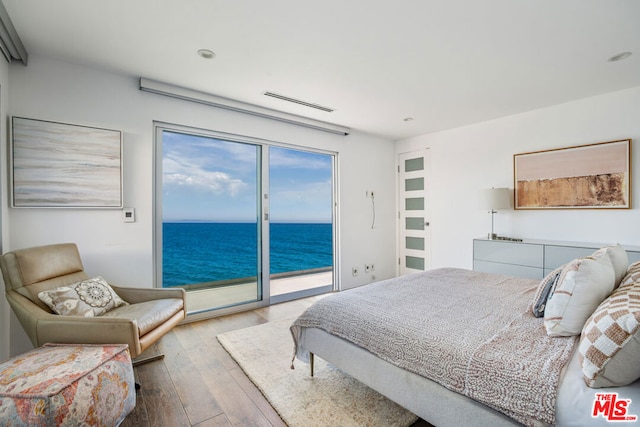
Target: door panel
{"points": [[414, 226], [301, 239], [210, 229]]}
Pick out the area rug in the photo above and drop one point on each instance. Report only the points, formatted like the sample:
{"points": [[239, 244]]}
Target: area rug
{"points": [[330, 398]]}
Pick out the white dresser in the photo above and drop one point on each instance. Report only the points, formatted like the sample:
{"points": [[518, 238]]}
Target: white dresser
{"points": [[532, 258]]}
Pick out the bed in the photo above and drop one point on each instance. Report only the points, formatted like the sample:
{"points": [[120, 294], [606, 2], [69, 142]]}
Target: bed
{"points": [[457, 347]]}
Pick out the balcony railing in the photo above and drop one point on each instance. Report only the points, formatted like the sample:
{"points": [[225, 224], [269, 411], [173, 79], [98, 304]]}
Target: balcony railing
{"points": [[204, 297], [251, 279]]}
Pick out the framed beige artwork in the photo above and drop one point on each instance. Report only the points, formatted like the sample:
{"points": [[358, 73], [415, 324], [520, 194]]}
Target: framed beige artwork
{"points": [[594, 176]]}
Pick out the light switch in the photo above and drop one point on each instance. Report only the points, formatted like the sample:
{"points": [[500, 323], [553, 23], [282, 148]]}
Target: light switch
{"points": [[128, 215]]}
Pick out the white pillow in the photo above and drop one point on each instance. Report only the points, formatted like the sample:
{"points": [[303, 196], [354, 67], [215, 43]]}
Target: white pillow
{"points": [[583, 284], [89, 298], [619, 260]]}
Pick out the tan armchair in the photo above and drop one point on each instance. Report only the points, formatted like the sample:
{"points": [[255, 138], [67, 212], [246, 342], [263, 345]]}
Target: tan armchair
{"points": [[151, 313]]}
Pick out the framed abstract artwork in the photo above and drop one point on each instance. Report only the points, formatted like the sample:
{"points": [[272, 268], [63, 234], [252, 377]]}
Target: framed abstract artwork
{"points": [[594, 176], [64, 165]]}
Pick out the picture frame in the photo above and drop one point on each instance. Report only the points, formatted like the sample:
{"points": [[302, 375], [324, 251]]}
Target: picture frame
{"points": [[592, 176], [62, 165]]}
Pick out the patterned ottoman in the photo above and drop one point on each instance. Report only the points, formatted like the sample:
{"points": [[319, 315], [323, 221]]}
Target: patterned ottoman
{"points": [[64, 385]]}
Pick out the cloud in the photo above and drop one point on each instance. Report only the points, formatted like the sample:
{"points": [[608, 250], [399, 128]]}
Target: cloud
{"points": [[209, 150], [185, 172], [283, 157], [310, 192], [307, 202]]}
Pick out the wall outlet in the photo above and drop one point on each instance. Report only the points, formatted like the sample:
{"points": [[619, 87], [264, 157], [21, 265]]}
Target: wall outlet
{"points": [[354, 271]]}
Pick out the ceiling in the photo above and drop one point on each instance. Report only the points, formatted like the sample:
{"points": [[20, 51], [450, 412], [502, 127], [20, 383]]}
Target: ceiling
{"points": [[443, 63]]}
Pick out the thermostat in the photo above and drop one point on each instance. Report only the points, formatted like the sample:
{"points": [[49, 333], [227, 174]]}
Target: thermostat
{"points": [[128, 215]]}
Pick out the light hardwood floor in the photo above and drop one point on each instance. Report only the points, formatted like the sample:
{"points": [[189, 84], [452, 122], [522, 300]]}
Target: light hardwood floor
{"points": [[199, 384]]}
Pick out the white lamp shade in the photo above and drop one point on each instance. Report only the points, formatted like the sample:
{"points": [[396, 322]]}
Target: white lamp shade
{"points": [[495, 199]]}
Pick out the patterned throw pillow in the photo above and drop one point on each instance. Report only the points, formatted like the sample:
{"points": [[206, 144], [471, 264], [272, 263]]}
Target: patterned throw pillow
{"points": [[610, 342], [633, 274], [89, 298], [583, 284], [545, 289]]}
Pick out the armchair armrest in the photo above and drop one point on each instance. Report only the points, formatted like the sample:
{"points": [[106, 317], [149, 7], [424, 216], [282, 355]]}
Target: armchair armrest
{"points": [[136, 295], [82, 330], [27, 312], [43, 327]]}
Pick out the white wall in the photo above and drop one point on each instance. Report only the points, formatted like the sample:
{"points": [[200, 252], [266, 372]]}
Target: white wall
{"points": [[470, 158], [4, 227], [123, 252]]}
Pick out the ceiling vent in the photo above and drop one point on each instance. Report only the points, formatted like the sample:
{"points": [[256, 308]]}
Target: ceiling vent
{"points": [[299, 102]]}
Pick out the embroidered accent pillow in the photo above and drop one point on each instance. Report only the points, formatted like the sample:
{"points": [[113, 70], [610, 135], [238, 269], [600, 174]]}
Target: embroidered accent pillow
{"points": [[545, 289], [609, 348], [583, 284], [89, 298]]}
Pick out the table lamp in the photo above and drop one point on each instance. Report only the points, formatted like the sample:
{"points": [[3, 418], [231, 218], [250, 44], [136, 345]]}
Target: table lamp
{"points": [[495, 199]]}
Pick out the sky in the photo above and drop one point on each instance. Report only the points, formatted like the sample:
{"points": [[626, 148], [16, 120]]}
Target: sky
{"points": [[208, 179]]}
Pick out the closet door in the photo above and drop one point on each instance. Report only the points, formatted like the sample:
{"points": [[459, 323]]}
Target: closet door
{"points": [[414, 232]]}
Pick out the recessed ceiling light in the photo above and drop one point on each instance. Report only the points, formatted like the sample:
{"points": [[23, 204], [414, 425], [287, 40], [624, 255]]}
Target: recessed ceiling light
{"points": [[407, 119], [206, 53], [620, 56]]}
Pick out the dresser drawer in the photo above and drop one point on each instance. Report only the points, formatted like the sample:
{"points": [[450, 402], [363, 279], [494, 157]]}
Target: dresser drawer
{"points": [[508, 269], [634, 256], [522, 254], [555, 256]]}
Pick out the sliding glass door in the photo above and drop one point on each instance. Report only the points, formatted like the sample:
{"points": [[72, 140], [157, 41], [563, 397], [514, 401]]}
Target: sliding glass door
{"points": [[210, 219], [301, 223], [230, 210]]}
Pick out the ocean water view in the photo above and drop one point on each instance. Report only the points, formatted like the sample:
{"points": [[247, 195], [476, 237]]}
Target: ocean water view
{"points": [[199, 252]]}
